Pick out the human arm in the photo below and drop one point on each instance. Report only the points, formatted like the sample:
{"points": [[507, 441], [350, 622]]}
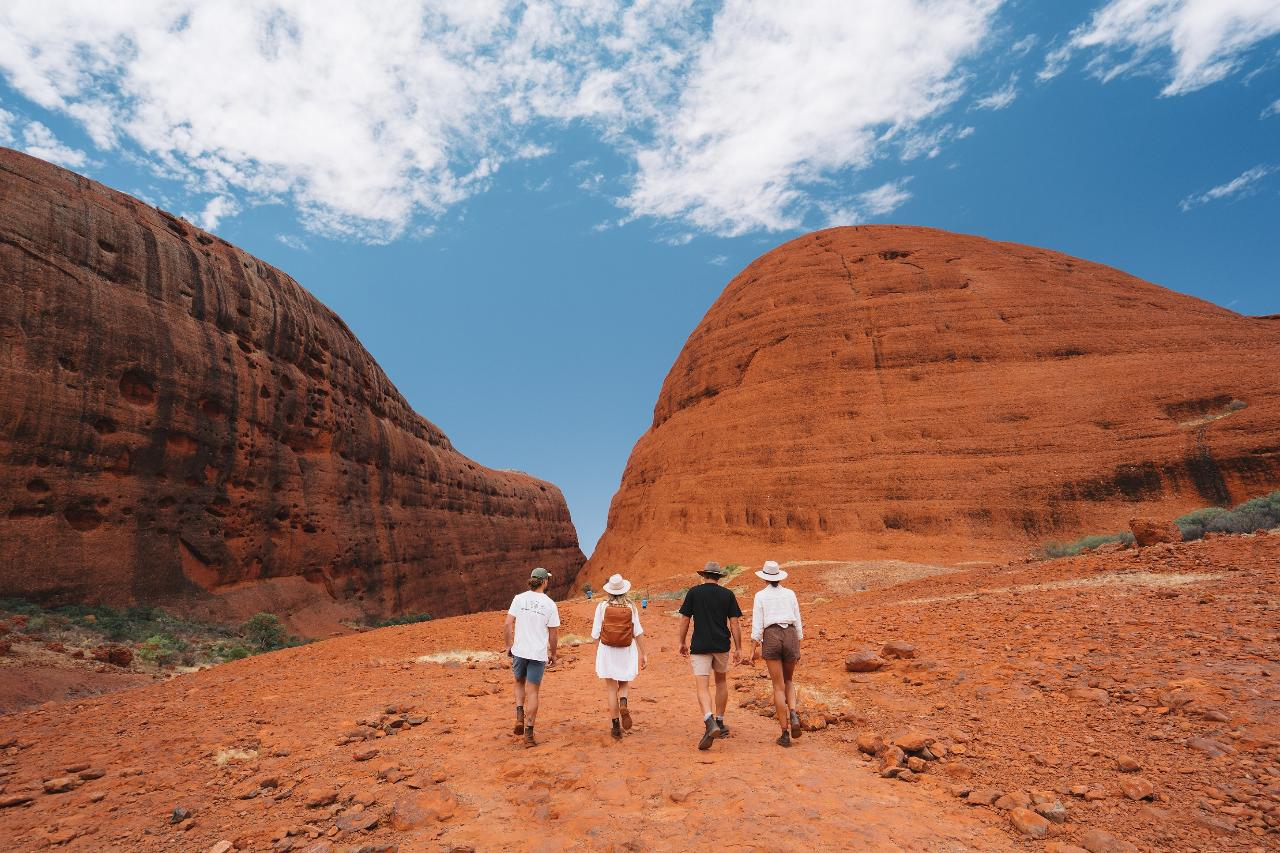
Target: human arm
{"points": [[638, 631], [795, 602], [553, 645], [757, 620], [684, 636], [509, 631], [598, 622], [735, 631]]}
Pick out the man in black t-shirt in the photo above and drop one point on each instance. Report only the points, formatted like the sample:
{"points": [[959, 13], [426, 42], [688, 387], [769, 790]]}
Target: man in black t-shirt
{"points": [[715, 613]]}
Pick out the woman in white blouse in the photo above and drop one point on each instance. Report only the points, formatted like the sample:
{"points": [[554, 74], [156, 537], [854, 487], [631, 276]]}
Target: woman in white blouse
{"points": [[776, 632], [620, 651]]}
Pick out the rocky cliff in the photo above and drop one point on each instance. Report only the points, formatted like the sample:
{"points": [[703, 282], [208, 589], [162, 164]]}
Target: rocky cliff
{"points": [[907, 392], [181, 423]]}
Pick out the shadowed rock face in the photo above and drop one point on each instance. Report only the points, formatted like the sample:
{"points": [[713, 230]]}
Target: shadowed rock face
{"points": [[883, 390], [181, 423]]}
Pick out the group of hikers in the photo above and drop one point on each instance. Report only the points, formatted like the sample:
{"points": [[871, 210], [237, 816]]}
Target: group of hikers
{"points": [[532, 640]]}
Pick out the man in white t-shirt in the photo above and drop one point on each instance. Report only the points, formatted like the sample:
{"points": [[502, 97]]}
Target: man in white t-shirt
{"points": [[532, 639]]}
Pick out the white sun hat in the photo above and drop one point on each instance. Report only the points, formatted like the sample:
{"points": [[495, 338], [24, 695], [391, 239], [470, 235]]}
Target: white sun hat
{"points": [[617, 585], [771, 572]]}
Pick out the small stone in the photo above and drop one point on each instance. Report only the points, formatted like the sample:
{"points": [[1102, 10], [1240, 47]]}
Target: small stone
{"points": [[1127, 764], [422, 808], [15, 800], [179, 814], [92, 773], [983, 796], [1215, 824], [916, 765], [1062, 847], [365, 754], [912, 741], [316, 797], [864, 661], [222, 847], [1029, 823], [1209, 746], [870, 743], [1090, 694], [1054, 812], [898, 649], [1014, 800], [61, 784], [76, 768], [1098, 841], [1137, 789], [905, 775], [891, 761]]}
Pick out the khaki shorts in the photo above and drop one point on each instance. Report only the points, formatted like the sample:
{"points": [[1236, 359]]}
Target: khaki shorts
{"points": [[703, 664], [780, 643]]}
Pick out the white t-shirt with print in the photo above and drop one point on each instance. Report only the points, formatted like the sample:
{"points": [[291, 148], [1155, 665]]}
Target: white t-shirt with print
{"points": [[535, 612]]}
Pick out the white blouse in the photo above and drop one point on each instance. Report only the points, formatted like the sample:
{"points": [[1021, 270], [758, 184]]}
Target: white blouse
{"points": [[775, 605]]}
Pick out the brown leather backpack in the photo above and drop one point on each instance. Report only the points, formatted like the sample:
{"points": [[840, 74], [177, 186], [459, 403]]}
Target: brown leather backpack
{"points": [[616, 629]]}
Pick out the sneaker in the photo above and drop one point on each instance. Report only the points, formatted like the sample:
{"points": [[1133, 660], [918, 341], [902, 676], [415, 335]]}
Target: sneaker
{"points": [[616, 731], [784, 739], [626, 714], [796, 731], [713, 731], [724, 730]]}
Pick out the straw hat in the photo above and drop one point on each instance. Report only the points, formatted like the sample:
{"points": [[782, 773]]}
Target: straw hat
{"points": [[617, 585], [771, 572]]}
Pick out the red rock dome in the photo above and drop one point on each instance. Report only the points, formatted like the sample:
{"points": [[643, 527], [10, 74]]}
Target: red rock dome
{"points": [[181, 423], [887, 391]]}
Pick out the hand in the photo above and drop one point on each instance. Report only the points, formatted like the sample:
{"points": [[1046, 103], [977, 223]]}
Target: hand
{"points": [[684, 650], [551, 660], [644, 661], [737, 657]]}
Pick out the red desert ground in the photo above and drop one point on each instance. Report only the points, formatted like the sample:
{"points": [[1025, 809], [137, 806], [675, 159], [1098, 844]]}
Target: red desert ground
{"points": [[1032, 523]]}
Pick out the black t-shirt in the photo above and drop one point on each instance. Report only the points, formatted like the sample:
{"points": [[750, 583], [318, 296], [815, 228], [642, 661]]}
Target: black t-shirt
{"points": [[710, 606]]}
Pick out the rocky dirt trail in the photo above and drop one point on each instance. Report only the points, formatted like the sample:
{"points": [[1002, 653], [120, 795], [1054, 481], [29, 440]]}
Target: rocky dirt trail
{"points": [[1117, 701]]}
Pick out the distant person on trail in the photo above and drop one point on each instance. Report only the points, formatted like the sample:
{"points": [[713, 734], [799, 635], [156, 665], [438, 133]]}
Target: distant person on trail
{"points": [[532, 640], [715, 613], [776, 632], [620, 653]]}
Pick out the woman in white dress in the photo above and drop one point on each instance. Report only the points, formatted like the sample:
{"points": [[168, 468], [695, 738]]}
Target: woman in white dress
{"points": [[620, 651]]}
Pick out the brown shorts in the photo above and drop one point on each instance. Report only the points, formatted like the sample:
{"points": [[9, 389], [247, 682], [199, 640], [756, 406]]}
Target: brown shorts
{"points": [[780, 643]]}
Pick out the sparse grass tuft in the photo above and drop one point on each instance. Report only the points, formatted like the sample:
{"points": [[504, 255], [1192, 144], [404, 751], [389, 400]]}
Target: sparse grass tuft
{"points": [[1084, 543], [402, 619]]}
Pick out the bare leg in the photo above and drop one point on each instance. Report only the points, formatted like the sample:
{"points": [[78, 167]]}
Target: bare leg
{"points": [[722, 692], [779, 693], [624, 689], [531, 703], [788, 673], [611, 687], [704, 693], [519, 692]]}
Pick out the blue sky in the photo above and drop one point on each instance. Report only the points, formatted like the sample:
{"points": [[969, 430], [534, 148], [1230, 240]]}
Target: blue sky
{"points": [[523, 209]]}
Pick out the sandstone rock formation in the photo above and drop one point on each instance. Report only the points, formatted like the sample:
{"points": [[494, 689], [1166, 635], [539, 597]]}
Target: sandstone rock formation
{"points": [[1153, 531], [886, 390], [181, 423]]}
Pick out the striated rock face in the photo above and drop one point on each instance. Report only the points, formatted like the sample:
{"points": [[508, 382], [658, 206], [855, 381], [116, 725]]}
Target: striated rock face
{"points": [[885, 390], [180, 423]]}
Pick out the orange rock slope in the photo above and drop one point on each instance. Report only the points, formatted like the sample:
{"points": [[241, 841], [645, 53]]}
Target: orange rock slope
{"points": [[181, 423], [886, 390]]}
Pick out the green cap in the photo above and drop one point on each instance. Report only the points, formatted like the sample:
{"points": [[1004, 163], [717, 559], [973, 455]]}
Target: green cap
{"points": [[540, 573]]}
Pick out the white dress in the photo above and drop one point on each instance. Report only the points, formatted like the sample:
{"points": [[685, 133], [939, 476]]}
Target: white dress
{"points": [[618, 663]]}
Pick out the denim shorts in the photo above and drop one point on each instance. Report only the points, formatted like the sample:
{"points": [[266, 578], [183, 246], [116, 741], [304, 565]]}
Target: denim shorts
{"points": [[528, 670]]}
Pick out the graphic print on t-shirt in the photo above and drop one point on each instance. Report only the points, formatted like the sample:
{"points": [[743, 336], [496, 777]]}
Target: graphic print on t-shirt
{"points": [[535, 612], [710, 606]]}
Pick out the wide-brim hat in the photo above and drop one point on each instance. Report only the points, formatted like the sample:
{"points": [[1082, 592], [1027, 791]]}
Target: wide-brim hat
{"points": [[771, 572], [712, 569], [617, 585]]}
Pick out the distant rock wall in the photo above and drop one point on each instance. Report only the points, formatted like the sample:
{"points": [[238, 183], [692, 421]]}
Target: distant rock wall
{"points": [[887, 391], [182, 423]]}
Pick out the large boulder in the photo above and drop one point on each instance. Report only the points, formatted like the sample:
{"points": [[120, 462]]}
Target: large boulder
{"points": [[1153, 531], [888, 391], [183, 424]]}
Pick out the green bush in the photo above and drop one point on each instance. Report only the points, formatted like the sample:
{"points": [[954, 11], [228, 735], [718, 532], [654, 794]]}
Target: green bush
{"points": [[1261, 513], [402, 619], [228, 652], [162, 649], [264, 632], [1085, 543]]}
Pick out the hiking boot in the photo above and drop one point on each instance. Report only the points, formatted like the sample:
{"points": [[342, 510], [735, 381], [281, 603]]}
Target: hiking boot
{"points": [[616, 731], [784, 739], [713, 731], [626, 714], [724, 730], [519, 726], [528, 737], [796, 731]]}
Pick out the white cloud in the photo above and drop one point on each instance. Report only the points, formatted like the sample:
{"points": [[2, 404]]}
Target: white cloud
{"points": [[293, 241], [718, 260], [885, 198], [366, 120], [1023, 46], [1207, 39], [38, 141], [1272, 110], [1242, 185], [782, 95], [218, 208], [1000, 98]]}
